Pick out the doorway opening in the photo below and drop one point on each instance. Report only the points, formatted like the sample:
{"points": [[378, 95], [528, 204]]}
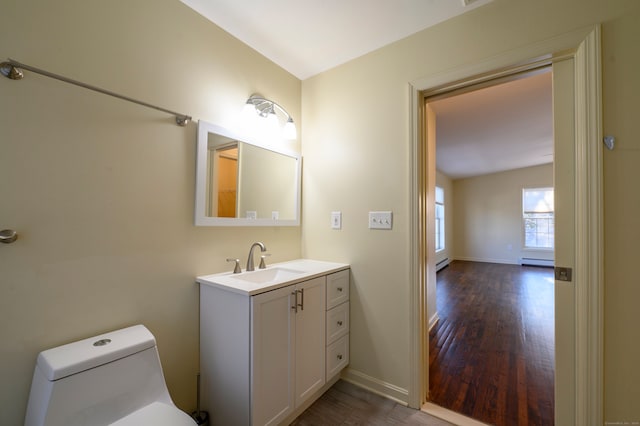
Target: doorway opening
{"points": [[491, 330], [575, 59]]}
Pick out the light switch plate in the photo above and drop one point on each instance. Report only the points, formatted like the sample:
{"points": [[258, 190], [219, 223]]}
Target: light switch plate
{"points": [[380, 220], [336, 220]]}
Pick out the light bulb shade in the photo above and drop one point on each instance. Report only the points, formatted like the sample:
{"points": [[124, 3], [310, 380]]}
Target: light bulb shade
{"points": [[289, 132], [259, 115], [273, 127], [249, 109], [249, 117]]}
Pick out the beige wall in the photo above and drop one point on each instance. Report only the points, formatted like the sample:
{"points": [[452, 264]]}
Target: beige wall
{"points": [[621, 96], [488, 215], [102, 191], [357, 126]]}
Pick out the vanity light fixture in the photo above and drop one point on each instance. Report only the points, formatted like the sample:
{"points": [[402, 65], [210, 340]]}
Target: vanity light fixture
{"points": [[267, 109]]}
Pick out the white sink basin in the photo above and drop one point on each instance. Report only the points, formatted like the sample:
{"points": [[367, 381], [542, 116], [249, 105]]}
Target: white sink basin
{"points": [[275, 276], [264, 276]]}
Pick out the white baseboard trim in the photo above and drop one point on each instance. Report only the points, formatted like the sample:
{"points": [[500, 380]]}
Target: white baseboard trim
{"points": [[488, 260], [536, 261], [450, 416], [433, 320], [443, 263], [380, 387]]}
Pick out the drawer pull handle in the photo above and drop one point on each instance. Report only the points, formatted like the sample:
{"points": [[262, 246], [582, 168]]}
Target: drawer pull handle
{"points": [[339, 288], [297, 305], [339, 356], [339, 322]]}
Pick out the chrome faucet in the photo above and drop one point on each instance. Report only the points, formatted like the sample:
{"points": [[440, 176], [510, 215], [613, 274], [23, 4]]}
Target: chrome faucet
{"points": [[250, 265]]}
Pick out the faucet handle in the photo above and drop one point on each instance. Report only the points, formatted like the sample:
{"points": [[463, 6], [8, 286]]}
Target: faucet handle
{"points": [[236, 269], [262, 264]]}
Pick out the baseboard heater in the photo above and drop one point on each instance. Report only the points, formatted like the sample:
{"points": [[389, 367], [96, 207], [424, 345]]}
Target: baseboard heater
{"points": [[444, 262], [530, 261]]}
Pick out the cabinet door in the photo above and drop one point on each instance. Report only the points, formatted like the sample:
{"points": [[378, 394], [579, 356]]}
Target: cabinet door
{"points": [[310, 338], [272, 331]]}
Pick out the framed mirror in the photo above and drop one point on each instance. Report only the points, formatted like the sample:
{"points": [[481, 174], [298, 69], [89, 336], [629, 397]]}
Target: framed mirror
{"points": [[242, 182]]}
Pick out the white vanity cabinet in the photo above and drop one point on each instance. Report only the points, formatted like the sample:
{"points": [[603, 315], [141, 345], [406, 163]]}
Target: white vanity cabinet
{"points": [[264, 354]]}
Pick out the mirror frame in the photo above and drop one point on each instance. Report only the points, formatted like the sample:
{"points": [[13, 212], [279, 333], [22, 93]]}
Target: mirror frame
{"points": [[201, 218]]}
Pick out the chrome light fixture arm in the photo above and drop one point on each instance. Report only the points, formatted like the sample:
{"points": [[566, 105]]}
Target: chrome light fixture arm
{"points": [[265, 108]]}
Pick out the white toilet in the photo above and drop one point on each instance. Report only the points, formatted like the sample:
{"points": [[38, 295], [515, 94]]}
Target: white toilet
{"points": [[112, 379]]}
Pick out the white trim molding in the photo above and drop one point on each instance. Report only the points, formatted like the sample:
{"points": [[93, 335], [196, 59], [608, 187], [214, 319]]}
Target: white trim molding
{"points": [[433, 320], [488, 260], [380, 387], [450, 416], [583, 46], [589, 232]]}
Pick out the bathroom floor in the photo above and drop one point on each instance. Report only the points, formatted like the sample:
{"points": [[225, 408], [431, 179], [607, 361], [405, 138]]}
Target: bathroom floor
{"points": [[347, 404]]}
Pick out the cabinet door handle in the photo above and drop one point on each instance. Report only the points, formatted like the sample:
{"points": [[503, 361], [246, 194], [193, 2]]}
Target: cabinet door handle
{"points": [[339, 356], [339, 322], [301, 299], [339, 288], [295, 301]]}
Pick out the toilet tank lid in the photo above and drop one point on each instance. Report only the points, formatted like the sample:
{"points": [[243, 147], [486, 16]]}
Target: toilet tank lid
{"points": [[65, 360]]}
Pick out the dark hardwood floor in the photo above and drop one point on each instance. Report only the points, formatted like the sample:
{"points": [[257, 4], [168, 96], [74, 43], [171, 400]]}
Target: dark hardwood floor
{"points": [[347, 404], [491, 354]]}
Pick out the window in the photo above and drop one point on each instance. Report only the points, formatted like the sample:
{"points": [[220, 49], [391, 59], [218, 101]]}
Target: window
{"points": [[439, 218], [537, 214]]}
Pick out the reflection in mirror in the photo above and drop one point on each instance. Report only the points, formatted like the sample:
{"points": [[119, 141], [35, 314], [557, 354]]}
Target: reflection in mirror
{"points": [[222, 185], [240, 182]]}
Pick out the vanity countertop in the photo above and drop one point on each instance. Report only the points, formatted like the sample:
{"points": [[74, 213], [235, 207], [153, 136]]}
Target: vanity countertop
{"points": [[274, 276]]}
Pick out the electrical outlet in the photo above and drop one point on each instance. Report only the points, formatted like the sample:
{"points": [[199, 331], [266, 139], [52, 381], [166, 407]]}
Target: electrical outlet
{"points": [[336, 220], [252, 214], [380, 220]]}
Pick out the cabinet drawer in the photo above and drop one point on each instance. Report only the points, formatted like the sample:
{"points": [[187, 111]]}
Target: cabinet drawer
{"points": [[337, 288], [337, 322], [337, 356]]}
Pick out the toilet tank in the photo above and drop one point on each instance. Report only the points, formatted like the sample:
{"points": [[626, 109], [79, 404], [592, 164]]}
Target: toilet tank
{"points": [[96, 381]]}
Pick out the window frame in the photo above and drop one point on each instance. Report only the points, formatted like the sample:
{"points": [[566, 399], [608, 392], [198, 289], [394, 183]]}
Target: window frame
{"points": [[439, 230], [549, 216]]}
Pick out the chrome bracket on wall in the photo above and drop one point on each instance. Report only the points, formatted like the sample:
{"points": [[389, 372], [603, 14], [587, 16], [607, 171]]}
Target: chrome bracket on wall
{"points": [[12, 70], [609, 142], [7, 236]]}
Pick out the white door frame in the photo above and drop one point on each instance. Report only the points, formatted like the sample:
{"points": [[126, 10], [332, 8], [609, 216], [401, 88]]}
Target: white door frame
{"points": [[584, 47]]}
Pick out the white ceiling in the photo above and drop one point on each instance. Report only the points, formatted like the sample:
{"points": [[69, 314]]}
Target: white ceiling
{"points": [[499, 128], [489, 130], [306, 37]]}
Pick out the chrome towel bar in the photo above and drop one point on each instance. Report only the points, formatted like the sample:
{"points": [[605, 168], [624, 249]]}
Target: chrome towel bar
{"points": [[13, 70]]}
